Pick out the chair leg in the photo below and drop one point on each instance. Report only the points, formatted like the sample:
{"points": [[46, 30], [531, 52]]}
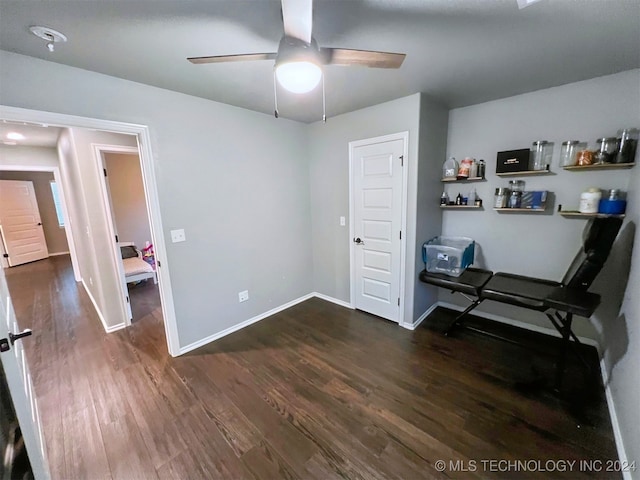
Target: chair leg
{"points": [[562, 357], [458, 319], [559, 323]]}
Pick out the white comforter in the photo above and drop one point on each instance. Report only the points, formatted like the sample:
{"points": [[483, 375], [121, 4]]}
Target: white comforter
{"points": [[135, 266]]}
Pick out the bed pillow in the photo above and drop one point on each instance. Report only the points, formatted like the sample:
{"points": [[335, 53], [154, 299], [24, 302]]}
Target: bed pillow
{"points": [[128, 252]]}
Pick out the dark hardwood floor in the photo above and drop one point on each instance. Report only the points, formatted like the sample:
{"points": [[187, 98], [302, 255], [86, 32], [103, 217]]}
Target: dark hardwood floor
{"points": [[316, 391]]}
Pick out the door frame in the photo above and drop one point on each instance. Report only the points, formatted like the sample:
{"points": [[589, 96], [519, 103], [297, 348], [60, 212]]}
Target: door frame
{"points": [[63, 201], [98, 152], [404, 136], [39, 117]]}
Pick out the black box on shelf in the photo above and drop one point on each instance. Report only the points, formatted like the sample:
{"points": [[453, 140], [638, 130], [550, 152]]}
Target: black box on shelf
{"points": [[513, 161]]}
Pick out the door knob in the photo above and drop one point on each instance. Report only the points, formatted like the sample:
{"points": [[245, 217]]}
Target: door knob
{"points": [[357, 241], [17, 336]]}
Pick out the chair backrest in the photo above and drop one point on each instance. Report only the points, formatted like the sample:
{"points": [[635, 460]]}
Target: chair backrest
{"points": [[599, 236]]}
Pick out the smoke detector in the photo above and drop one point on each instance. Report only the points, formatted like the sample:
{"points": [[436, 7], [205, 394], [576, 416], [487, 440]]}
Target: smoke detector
{"points": [[49, 35]]}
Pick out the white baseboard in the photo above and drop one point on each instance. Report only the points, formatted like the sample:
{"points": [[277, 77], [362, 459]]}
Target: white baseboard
{"points": [[241, 325], [615, 424], [58, 253], [99, 312], [342, 303], [414, 325]]}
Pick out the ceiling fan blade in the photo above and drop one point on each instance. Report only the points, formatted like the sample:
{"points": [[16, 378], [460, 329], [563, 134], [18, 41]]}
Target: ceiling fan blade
{"points": [[233, 58], [365, 58], [297, 16]]}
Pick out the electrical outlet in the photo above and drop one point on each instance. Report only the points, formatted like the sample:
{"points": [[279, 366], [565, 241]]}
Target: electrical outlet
{"points": [[90, 281], [243, 296], [343, 221], [178, 236]]}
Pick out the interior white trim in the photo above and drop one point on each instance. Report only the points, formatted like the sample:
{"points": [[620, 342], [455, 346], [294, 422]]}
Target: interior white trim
{"points": [[107, 329], [615, 424], [98, 152], [39, 117], [337, 301], [414, 325], [404, 136], [241, 325]]}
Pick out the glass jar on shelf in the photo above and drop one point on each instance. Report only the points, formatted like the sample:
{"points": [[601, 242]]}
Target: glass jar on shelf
{"points": [[501, 198], [606, 150], [627, 144], [584, 157], [541, 153], [516, 185], [568, 153]]}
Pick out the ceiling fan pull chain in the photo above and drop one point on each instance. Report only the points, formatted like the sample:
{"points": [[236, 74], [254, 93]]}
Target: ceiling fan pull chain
{"points": [[324, 106], [275, 93]]}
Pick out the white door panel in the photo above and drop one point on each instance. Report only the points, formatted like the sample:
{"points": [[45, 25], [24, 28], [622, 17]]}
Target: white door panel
{"points": [[16, 370], [377, 217], [22, 231]]}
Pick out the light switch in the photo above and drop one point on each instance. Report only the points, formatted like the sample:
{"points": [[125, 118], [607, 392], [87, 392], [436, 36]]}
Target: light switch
{"points": [[343, 221], [178, 236]]}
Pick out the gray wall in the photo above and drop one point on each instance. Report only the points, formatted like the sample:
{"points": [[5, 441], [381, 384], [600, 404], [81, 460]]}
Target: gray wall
{"points": [[432, 149], [620, 337], [534, 244], [329, 188], [54, 235], [128, 201], [236, 181], [81, 180]]}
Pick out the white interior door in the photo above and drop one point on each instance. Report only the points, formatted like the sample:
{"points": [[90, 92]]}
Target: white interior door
{"points": [[18, 379], [20, 221], [113, 228], [376, 190]]}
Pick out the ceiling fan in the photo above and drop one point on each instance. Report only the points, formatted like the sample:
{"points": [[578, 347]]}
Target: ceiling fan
{"points": [[299, 59]]}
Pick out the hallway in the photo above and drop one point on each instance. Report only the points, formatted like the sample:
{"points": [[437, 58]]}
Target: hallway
{"points": [[80, 373]]}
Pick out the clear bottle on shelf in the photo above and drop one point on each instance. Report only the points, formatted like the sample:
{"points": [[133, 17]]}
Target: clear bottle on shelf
{"points": [[450, 168], [482, 168]]}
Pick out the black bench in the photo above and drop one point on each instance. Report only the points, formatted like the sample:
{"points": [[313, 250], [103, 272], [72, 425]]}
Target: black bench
{"points": [[559, 301]]}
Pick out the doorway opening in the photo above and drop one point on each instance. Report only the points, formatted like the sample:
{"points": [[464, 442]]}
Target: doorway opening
{"points": [[126, 207], [82, 210]]}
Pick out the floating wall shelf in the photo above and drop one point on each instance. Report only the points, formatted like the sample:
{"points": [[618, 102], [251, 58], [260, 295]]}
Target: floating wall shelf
{"points": [[577, 214], [463, 180], [601, 166], [461, 207], [525, 173], [521, 210]]}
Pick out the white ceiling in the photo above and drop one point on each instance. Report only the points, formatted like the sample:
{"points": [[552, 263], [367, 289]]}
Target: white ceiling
{"points": [[34, 135], [461, 52]]}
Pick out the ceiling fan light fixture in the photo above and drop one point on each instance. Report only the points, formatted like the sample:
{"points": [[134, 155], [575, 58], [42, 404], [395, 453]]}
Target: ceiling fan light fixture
{"points": [[298, 77]]}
